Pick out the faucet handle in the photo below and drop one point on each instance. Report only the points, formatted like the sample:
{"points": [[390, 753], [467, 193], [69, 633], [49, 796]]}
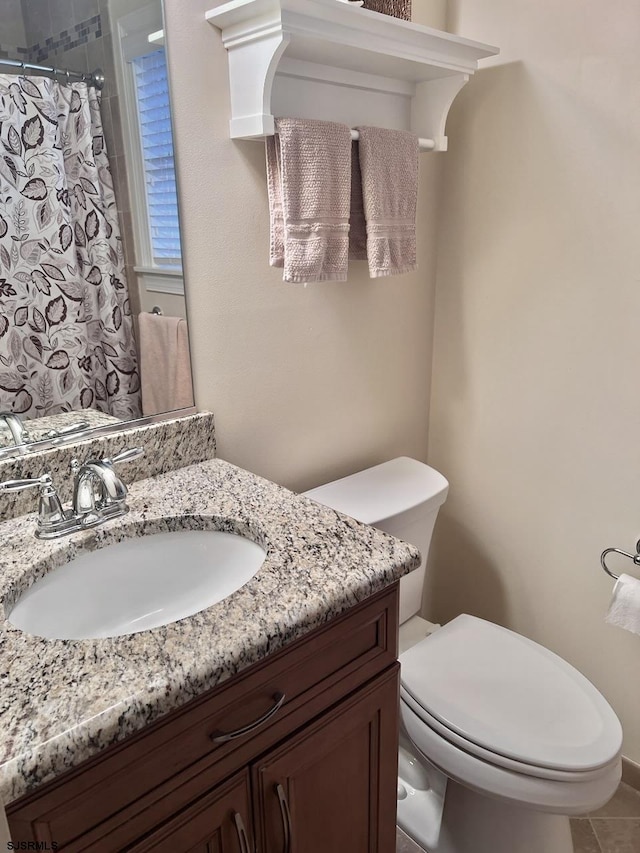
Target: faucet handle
{"points": [[50, 512], [127, 455], [63, 432], [28, 483]]}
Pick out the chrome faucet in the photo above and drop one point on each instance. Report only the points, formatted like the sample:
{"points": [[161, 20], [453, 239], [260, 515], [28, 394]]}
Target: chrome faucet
{"points": [[14, 424], [97, 487], [98, 495]]}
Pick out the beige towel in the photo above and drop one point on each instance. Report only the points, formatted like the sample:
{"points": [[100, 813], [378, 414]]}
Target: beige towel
{"points": [[165, 366], [276, 215], [358, 229], [389, 165], [309, 184]]}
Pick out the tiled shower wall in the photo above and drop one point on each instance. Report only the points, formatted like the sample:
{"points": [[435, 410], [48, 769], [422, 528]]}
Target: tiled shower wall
{"points": [[12, 35], [76, 34], [36, 31]]}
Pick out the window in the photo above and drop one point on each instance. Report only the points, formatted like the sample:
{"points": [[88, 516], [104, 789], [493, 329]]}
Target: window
{"points": [[156, 143], [141, 69]]}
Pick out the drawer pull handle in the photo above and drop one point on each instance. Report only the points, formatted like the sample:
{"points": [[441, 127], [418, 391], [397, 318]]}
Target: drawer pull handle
{"points": [[242, 834], [223, 737], [286, 817]]}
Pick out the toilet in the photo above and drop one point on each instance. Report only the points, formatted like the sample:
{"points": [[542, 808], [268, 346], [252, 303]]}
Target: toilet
{"points": [[501, 740]]}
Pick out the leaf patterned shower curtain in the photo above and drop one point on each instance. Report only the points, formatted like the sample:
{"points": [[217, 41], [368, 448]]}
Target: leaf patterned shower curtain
{"points": [[66, 333]]}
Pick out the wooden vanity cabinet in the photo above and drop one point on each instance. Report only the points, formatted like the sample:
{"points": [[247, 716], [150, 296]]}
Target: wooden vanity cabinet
{"points": [[213, 824], [332, 787], [318, 774]]}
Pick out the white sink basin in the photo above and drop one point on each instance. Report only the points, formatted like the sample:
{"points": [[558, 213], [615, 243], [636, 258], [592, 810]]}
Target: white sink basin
{"points": [[137, 584]]}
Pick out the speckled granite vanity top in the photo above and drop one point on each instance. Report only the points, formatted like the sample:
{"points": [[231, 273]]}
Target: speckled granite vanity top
{"points": [[62, 701]]}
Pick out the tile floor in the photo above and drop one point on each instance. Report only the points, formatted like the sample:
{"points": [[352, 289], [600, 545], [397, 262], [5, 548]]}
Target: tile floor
{"points": [[615, 828]]}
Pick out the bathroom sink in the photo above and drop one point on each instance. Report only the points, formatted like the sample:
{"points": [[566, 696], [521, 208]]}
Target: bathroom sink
{"points": [[137, 584]]}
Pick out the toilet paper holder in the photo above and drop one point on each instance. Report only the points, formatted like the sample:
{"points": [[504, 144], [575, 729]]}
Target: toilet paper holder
{"points": [[635, 557]]}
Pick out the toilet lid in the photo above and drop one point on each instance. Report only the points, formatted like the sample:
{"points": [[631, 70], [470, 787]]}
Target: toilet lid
{"points": [[504, 693]]}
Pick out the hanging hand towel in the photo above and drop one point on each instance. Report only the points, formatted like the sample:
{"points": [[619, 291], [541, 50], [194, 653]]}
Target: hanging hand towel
{"points": [[624, 609], [358, 226], [389, 165], [165, 366], [309, 184]]}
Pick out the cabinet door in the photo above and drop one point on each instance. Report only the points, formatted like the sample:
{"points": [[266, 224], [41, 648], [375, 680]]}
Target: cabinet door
{"points": [[219, 822], [333, 786]]}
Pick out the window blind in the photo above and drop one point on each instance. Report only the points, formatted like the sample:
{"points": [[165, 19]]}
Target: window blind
{"points": [[152, 88]]}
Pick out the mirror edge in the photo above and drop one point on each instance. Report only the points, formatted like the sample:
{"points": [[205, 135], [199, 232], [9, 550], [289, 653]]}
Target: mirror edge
{"points": [[28, 450]]}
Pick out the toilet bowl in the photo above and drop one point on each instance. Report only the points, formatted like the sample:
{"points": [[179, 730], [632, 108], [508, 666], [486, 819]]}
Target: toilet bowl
{"points": [[501, 740], [518, 732]]}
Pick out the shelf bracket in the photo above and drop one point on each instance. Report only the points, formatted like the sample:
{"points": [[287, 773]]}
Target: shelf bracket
{"points": [[431, 104], [253, 61]]}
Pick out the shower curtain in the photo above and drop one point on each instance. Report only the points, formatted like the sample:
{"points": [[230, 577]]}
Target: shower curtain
{"points": [[66, 332]]}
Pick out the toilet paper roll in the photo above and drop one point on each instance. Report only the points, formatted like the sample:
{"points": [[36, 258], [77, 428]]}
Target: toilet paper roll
{"points": [[624, 609]]}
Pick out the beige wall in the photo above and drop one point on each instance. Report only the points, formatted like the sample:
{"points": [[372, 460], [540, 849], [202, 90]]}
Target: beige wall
{"points": [[306, 383], [535, 404]]}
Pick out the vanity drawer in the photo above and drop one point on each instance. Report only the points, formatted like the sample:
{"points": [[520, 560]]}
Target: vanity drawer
{"points": [[127, 790]]}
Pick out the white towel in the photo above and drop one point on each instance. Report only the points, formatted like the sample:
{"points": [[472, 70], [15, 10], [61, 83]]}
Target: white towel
{"points": [[624, 609], [165, 366]]}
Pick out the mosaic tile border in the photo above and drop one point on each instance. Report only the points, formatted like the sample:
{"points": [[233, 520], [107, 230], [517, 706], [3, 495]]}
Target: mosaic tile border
{"points": [[73, 36]]}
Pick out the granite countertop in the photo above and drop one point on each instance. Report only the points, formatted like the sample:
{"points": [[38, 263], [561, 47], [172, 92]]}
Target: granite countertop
{"points": [[62, 701], [38, 428]]}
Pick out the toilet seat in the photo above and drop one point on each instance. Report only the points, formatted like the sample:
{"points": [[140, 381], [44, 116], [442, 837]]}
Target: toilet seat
{"points": [[563, 795], [509, 701], [493, 758]]}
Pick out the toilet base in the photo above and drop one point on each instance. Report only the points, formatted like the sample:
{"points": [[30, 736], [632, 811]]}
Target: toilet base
{"points": [[475, 823]]}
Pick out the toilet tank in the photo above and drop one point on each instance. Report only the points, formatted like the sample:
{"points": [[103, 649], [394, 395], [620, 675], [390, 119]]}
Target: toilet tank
{"points": [[401, 497]]}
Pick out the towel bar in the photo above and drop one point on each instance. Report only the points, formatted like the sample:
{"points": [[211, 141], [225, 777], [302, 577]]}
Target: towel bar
{"points": [[423, 144], [157, 310], [635, 557]]}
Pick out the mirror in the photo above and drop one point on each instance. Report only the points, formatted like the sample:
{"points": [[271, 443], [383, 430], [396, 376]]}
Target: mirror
{"points": [[92, 305]]}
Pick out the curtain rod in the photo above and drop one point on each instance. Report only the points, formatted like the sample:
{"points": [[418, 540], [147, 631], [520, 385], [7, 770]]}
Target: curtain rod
{"points": [[96, 77], [423, 144]]}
